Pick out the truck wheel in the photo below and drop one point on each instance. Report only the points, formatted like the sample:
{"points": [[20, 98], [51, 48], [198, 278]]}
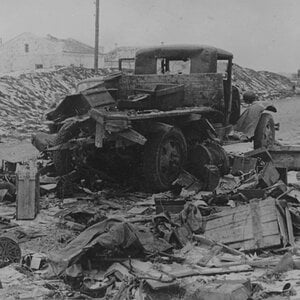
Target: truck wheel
{"points": [[164, 157], [62, 159], [10, 251], [264, 135]]}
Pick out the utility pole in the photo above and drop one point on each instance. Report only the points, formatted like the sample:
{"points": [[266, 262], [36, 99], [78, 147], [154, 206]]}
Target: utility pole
{"points": [[96, 37]]}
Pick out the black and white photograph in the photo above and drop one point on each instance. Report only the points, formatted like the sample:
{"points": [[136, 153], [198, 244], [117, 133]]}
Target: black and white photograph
{"points": [[150, 149]]}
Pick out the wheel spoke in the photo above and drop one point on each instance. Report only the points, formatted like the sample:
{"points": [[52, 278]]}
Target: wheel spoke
{"points": [[9, 251]]}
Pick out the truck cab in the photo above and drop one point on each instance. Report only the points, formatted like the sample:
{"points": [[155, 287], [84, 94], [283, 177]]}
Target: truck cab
{"points": [[208, 67]]}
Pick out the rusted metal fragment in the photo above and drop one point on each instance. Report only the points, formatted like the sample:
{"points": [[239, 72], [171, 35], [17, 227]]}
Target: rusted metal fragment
{"points": [[81, 103], [133, 136]]}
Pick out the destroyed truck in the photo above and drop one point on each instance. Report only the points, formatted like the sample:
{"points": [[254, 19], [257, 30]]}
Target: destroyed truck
{"points": [[169, 115]]}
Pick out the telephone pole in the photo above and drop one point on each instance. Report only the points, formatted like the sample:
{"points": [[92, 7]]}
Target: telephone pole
{"points": [[96, 37]]}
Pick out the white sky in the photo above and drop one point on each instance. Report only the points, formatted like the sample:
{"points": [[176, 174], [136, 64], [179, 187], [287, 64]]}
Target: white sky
{"points": [[262, 34]]}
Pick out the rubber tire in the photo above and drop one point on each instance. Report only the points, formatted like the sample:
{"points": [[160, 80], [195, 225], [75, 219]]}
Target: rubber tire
{"points": [[62, 159], [266, 122], [222, 160], [151, 164]]}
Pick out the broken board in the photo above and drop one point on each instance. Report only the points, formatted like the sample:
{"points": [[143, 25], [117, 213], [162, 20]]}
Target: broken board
{"points": [[282, 156], [28, 192], [199, 88], [256, 225]]}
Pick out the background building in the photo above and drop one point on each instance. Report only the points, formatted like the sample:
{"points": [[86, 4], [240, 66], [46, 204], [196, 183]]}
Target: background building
{"points": [[111, 59], [29, 52]]}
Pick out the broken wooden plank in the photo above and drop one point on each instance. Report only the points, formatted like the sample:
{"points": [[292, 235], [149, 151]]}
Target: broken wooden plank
{"points": [[202, 89], [224, 217], [28, 192], [289, 227], [224, 270], [243, 164], [251, 226], [282, 228], [268, 241], [138, 210], [257, 223], [155, 278], [240, 219], [207, 241], [99, 136], [282, 156], [244, 232]]}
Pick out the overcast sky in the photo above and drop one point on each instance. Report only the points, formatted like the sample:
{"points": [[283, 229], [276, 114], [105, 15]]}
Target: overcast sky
{"points": [[262, 34]]}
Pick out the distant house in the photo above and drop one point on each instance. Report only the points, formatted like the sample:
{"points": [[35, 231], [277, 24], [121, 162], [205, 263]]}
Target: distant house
{"points": [[29, 52], [111, 59]]}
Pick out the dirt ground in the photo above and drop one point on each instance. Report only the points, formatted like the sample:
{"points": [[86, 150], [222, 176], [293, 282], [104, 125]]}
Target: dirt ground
{"points": [[288, 112]]}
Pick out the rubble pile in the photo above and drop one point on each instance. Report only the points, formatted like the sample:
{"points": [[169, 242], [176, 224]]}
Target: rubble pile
{"points": [[238, 241], [267, 85], [24, 98]]}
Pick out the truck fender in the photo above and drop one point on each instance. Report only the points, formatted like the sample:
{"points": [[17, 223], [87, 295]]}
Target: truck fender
{"points": [[157, 126], [271, 108], [250, 117]]}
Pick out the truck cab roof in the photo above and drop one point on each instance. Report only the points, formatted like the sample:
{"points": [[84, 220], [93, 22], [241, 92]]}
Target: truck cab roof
{"points": [[203, 58], [181, 51]]}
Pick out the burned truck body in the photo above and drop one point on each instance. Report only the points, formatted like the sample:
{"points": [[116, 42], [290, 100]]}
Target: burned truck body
{"points": [[166, 116]]}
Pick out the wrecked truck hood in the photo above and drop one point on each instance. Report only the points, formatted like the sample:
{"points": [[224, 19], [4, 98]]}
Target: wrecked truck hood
{"points": [[81, 103]]}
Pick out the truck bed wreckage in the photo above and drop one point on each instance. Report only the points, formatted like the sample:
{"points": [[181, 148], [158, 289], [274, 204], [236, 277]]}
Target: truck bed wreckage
{"points": [[175, 104], [221, 225]]}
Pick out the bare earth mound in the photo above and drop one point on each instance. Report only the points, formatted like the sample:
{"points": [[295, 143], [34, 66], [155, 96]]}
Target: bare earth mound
{"points": [[266, 85], [25, 98]]}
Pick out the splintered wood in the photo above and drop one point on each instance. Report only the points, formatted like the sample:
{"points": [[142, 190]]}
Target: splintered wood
{"points": [[257, 225], [27, 192]]}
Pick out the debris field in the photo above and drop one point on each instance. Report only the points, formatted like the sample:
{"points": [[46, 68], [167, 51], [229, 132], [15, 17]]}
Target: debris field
{"points": [[85, 235], [238, 241]]}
